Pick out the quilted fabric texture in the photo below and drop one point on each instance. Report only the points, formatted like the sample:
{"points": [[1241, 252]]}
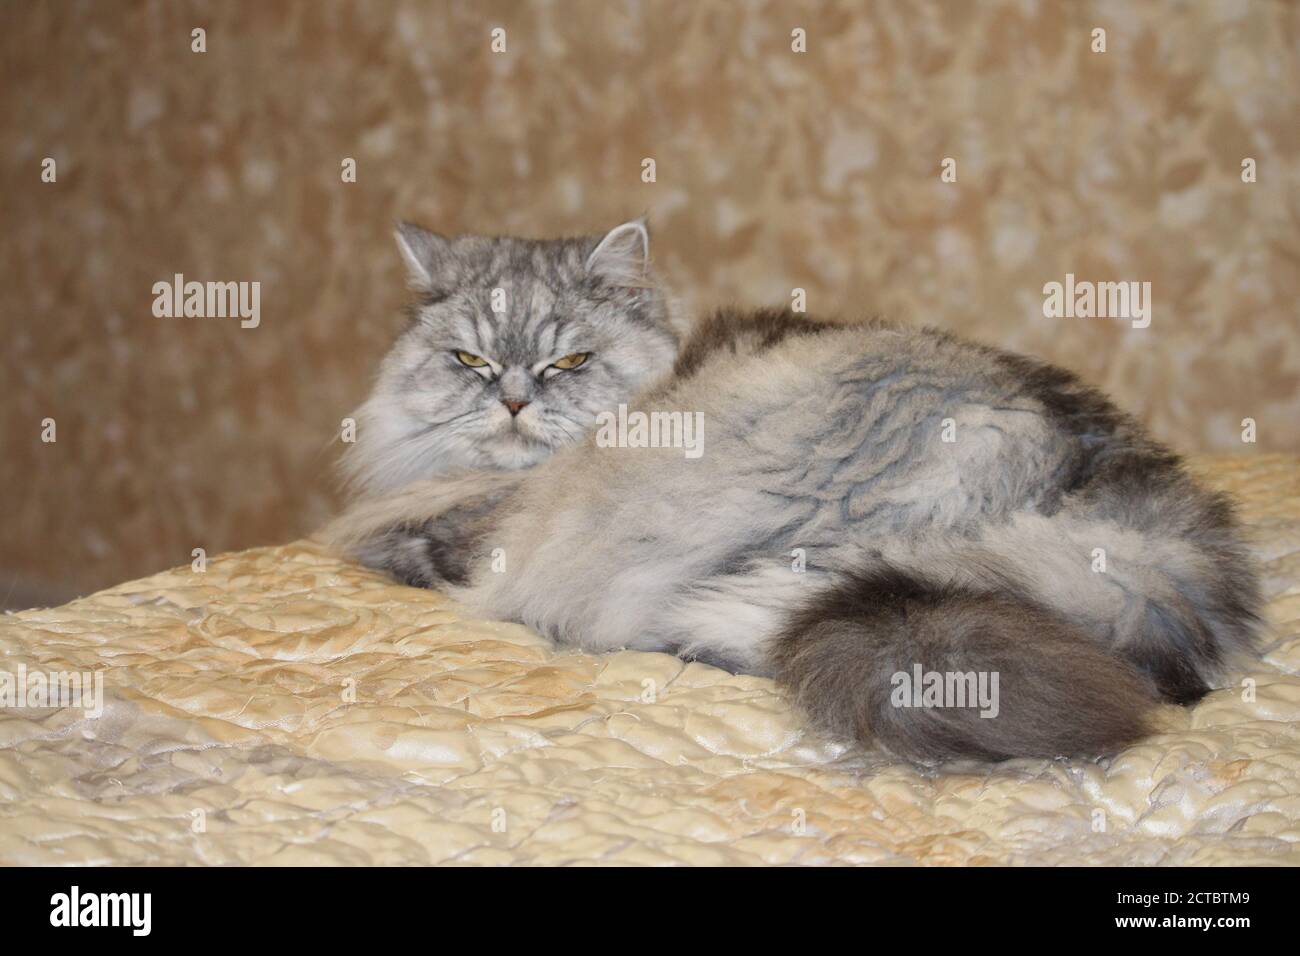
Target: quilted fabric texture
{"points": [[286, 707]]}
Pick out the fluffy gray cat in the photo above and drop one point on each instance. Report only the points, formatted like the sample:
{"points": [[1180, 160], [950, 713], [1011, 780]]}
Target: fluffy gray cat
{"points": [[871, 502]]}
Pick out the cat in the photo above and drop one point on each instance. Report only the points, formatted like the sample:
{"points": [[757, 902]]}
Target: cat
{"points": [[872, 501]]}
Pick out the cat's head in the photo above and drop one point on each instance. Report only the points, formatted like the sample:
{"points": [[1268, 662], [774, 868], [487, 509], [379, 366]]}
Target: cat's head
{"points": [[515, 346]]}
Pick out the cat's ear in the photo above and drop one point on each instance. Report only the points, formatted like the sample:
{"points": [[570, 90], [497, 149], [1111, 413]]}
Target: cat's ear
{"points": [[428, 257], [622, 257]]}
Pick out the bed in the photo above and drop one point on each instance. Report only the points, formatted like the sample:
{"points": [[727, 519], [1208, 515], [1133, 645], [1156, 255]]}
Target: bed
{"points": [[284, 707]]}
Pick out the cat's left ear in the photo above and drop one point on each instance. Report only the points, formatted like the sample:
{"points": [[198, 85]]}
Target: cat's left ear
{"points": [[622, 257]]}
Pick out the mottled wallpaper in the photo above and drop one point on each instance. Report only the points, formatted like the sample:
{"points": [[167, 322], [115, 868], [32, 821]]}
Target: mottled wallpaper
{"points": [[934, 162]]}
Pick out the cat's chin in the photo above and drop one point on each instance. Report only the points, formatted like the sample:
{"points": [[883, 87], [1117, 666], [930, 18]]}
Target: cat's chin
{"points": [[513, 450]]}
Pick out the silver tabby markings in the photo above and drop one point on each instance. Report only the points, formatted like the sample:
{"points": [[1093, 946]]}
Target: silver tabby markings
{"points": [[970, 555], [514, 348]]}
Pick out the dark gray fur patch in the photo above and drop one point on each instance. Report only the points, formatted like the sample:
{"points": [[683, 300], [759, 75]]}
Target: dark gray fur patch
{"points": [[737, 331], [1059, 694], [439, 551]]}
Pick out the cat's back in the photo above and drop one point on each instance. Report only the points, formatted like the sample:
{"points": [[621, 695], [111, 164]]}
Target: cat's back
{"points": [[866, 413], [733, 347], [774, 370]]}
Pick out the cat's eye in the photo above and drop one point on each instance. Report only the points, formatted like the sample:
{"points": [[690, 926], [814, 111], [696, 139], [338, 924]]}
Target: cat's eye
{"points": [[470, 359], [571, 361]]}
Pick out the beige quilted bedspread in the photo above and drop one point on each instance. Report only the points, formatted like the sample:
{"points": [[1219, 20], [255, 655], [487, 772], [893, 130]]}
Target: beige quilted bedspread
{"points": [[285, 707]]}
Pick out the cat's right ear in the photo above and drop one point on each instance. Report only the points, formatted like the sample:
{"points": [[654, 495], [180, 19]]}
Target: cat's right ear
{"points": [[428, 257]]}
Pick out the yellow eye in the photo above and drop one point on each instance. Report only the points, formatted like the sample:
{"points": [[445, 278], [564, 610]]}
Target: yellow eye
{"points": [[470, 359], [572, 361]]}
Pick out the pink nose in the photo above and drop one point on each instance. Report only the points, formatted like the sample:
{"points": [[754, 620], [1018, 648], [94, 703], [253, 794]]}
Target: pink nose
{"points": [[515, 407]]}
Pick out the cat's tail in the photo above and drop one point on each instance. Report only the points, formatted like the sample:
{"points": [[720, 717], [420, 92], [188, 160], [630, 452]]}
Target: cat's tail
{"points": [[934, 670]]}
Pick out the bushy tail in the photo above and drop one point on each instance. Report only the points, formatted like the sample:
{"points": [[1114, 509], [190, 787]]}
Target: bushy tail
{"points": [[1040, 686]]}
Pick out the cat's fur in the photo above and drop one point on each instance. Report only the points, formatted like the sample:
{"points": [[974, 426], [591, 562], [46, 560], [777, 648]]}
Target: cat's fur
{"points": [[826, 444]]}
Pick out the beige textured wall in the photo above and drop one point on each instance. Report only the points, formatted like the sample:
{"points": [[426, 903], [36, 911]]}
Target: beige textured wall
{"points": [[775, 170]]}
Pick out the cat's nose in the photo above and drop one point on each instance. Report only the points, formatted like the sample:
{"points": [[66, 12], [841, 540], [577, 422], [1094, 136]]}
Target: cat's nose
{"points": [[515, 407]]}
